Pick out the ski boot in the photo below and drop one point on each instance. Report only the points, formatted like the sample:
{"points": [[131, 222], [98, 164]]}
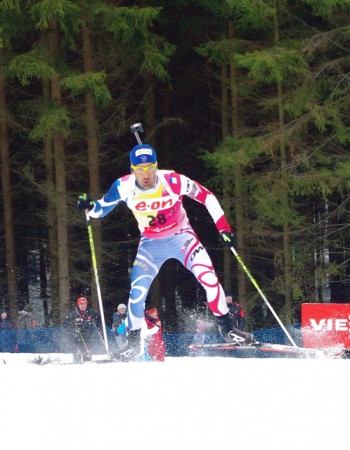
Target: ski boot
{"points": [[131, 350], [234, 335]]}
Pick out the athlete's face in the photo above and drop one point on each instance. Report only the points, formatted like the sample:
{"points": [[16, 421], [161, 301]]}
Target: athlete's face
{"points": [[145, 174]]}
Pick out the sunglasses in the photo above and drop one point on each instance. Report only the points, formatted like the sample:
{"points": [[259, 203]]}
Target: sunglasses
{"points": [[138, 169]]}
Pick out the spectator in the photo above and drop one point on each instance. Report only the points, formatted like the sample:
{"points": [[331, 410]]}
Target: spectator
{"points": [[83, 327], [155, 342], [5, 322], [25, 325], [119, 317], [25, 319], [118, 325], [236, 311], [6, 333]]}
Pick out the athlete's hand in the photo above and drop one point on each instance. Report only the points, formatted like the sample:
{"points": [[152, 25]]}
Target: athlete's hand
{"points": [[228, 239], [84, 202]]}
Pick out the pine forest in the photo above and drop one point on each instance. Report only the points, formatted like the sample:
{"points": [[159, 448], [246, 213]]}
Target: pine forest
{"points": [[251, 98]]}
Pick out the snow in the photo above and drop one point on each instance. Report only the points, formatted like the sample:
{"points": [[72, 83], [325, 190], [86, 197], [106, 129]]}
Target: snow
{"points": [[182, 404]]}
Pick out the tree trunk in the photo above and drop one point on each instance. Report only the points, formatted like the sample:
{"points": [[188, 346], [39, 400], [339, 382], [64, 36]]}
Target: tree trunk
{"points": [[93, 154], [61, 198], [7, 199], [227, 175], [285, 199], [51, 217], [238, 197]]}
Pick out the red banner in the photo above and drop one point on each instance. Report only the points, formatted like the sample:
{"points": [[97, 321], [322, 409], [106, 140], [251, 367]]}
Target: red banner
{"points": [[325, 324]]}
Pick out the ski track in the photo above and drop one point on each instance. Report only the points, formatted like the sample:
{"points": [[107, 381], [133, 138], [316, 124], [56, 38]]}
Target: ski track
{"points": [[182, 404]]}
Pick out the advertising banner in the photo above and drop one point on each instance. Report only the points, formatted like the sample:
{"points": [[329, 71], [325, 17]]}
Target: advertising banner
{"points": [[325, 324]]}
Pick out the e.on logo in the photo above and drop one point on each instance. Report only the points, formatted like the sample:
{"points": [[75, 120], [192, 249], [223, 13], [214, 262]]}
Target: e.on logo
{"points": [[153, 205], [325, 324]]}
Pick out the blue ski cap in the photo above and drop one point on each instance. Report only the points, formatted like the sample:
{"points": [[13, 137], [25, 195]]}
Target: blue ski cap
{"points": [[143, 153]]}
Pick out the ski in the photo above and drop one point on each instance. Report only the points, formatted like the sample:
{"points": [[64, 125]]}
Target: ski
{"points": [[331, 352], [41, 361]]}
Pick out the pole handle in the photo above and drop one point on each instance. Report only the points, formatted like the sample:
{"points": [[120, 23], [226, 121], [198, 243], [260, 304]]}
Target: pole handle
{"points": [[137, 128]]}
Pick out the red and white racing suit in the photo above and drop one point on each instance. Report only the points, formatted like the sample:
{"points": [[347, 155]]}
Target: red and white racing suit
{"points": [[165, 233]]}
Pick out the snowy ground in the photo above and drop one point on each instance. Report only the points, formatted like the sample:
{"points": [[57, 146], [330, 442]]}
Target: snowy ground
{"points": [[182, 404]]}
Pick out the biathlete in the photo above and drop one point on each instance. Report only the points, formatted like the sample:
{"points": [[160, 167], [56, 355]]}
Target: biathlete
{"points": [[155, 199]]}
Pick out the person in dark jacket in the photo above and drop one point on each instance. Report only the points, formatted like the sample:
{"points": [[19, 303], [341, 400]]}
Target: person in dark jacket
{"points": [[25, 325], [84, 329], [25, 319], [118, 325], [236, 311], [119, 317], [6, 334], [5, 322]]}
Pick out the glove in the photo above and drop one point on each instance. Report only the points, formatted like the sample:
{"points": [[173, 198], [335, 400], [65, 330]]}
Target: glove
{"points": [[84, 202], [228, 239], [78, 321]]}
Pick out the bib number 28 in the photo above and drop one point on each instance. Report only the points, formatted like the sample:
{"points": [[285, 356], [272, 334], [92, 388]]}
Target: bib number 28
{"points": [[158, 220]]}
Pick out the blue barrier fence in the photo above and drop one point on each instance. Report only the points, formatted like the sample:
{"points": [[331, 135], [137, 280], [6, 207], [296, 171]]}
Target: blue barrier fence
{"points": [[54, 340]]}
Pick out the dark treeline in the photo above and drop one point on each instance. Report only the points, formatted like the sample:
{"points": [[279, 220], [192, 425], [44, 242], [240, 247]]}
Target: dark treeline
{"points": [[250, 98]]}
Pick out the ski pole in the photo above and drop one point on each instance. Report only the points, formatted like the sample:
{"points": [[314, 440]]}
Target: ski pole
{"points": [[82, 339], [98, 333], [239, 259], [98, 289], [136, 128]]}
